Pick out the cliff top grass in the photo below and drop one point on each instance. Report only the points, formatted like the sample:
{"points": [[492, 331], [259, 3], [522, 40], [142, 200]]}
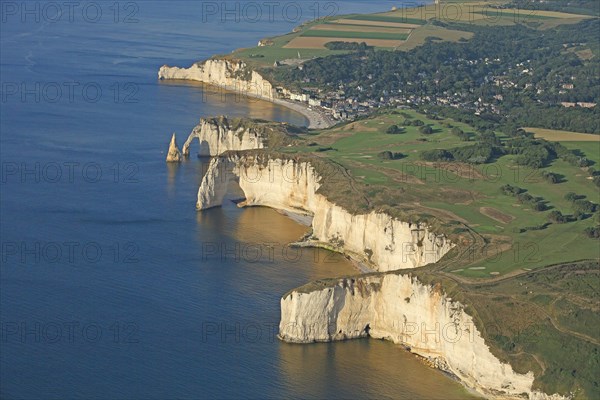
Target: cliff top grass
{"points": [[544, 321], [534, 302], [365, 169], [461, 198], [276, 134], [533, 295]]}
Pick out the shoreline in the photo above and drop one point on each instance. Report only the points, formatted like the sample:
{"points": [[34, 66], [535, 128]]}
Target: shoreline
{"points": [[470, 382], [316, 119], [306, 220]]}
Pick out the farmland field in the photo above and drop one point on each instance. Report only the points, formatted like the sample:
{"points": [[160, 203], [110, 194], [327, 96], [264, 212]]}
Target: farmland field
{"points": [[354, 35], [563, 136], [403, 29], [305, 42], [374, 23], [387, 18], [362, 28]]}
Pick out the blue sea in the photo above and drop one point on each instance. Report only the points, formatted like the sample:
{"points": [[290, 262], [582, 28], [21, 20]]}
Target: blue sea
{"points": [[112, 285]]}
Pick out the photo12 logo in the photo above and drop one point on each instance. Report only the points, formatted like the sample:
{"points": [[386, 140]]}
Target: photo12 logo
{"points": [[266, 11], [69, 11], [69, 92], [264, 253], [69, 252], [73, 332], [68, 172]]}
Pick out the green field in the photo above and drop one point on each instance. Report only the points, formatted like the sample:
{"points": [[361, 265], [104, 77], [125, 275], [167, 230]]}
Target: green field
{"points": [[355, 35], [516, 15], [469, 192], [534, 302], [267, 55], [385, 18], [261, 57]]}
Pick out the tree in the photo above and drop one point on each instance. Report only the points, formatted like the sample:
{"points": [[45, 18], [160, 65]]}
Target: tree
{"points": [[457, 131], [389, 155], [571, 196], [592, 232], [510, 190], [426, 130], [584, 206], [551, 177], [394, 130], [436, 155], [557, 217]]}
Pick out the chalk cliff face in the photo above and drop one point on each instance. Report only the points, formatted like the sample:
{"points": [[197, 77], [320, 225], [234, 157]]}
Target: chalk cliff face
{"points": [[229, 74], [399, 308], [218, 135], [389, 305], [383, 242]]}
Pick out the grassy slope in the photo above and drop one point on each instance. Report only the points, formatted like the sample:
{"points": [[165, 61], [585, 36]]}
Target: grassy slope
{"points": [[539, 318], [460, 194]]}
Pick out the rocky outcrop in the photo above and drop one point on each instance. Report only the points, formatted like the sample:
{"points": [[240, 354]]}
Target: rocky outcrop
{"points": [[221, 134], [397, 307], [173, 155], [232, 75], [375, 238], [218, 135]]}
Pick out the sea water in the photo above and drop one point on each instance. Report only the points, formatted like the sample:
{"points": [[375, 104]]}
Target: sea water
{"points": [[112, 285]]}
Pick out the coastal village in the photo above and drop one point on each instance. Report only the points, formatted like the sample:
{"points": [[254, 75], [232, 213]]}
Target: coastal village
{"points": [[335, 105]]}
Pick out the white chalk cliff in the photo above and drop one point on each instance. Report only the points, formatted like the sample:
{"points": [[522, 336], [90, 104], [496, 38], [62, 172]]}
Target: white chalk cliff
{"points": [[229, 74], [218, 135], [388, 305], [397, 307], [378, 239]]}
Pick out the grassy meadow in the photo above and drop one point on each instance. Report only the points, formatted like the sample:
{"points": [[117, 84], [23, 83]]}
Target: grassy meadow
{"points": [[467, 193]]}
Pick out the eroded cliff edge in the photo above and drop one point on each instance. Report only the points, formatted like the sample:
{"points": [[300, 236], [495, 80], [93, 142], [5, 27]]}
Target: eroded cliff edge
{"points": [[289, 183], [398, 307], [239, 77], [390, 304], [232, 75], [220, 134]]}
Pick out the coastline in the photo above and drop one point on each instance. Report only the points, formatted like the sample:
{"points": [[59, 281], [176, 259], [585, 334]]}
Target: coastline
{"points": [[488, 377], [316, 119]]}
